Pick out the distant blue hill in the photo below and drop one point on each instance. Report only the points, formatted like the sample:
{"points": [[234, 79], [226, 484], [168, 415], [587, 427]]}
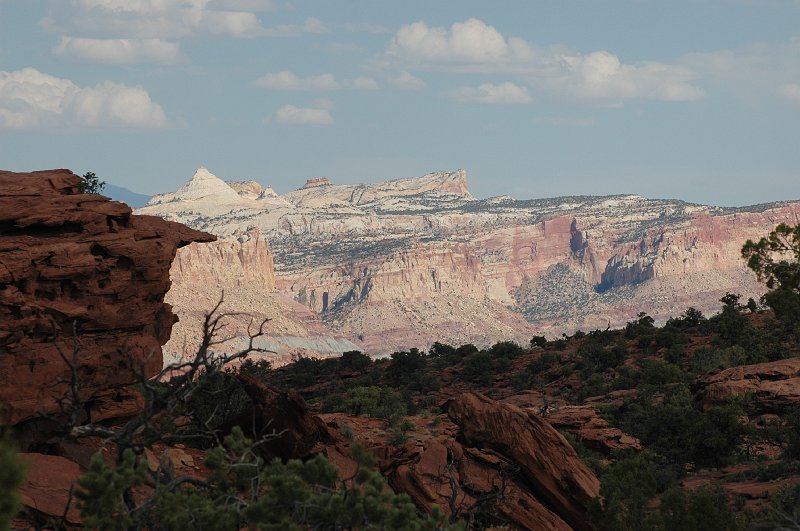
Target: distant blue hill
{"points": [[119, 193]]}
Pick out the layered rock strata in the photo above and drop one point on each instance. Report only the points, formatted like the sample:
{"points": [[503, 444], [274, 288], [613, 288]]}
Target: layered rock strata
{"points": [[403, 263], [772, 386], [79, 276]]}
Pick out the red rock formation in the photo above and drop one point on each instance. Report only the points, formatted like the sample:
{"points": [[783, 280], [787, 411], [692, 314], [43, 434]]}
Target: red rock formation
{"points": [[558, 477], [591, 429], [285, 414], [48, 484], [74, 260], [773, 386]]}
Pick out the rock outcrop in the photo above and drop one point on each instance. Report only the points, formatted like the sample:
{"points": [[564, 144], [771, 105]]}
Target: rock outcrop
{"points": [[406, 262], [772, 386], [78, 274], [297, 430], [482, 457], [591, 429], [557, 475]]}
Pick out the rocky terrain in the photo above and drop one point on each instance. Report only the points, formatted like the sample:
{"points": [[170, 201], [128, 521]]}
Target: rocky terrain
{"points": [[82, 318], [696, 421], [408, 262]]}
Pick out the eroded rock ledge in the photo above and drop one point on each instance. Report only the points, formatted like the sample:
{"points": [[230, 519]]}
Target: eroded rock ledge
{"points": [[77, 260]]}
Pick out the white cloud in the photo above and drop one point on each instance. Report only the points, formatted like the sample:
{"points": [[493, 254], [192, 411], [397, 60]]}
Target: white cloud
{"points": [[471, 40], [362, 83], [505, 93], [119, 51], [167, 19], [790, 92], [286, 80], [292, 115], [31, 99], [405, 81], [599, 77]]}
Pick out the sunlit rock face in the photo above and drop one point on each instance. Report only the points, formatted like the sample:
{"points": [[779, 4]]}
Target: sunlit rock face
{"points": [[407, 262]]}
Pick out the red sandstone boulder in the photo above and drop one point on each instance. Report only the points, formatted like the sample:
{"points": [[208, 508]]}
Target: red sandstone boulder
{"points": [[77, 262], [47, 486], [773, 386], [297, 429], [555, 473]]}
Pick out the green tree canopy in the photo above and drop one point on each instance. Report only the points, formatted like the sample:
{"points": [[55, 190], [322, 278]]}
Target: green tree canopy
{"points": [[775, 259], [91, 184]]}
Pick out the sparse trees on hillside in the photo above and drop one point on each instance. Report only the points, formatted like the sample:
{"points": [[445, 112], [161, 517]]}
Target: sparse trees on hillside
{"points": [[775, 259]]}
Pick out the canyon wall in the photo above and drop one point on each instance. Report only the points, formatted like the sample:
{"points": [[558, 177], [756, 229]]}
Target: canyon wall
{"points": [[404, 263]]}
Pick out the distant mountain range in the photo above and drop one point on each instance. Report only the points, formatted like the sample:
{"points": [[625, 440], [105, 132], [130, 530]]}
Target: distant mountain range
{"points": [[408, 262], [118, 193]]}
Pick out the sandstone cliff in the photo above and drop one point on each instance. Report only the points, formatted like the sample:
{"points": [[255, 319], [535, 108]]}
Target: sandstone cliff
{"points": [[77, 267], [407, 262], [240, 271]]}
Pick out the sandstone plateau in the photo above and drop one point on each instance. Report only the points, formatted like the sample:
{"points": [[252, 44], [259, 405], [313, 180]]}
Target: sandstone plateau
{"points": [[404, 263], [78, 272]]}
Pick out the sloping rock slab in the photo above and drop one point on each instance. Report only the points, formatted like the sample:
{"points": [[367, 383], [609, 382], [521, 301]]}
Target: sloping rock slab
{"points": [[555, 473]]}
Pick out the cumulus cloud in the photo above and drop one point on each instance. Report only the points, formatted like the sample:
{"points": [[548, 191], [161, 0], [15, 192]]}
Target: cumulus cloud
{"points": [[475, 47], [601, 76], [406, 81], [362, 83], [286, 80], [471, 40], [505, 93], [790, 92], [31, 99], [168, 19], [119, 51], [292, 115]]}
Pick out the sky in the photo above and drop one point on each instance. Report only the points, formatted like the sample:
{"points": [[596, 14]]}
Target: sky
{"points": [[689, 99]]}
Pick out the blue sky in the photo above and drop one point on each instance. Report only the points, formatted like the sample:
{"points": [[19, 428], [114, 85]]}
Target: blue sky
{"points": [[697, 100]]}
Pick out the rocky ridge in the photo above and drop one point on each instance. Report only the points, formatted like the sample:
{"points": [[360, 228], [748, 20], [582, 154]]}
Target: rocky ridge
{"points": [[401, 263]]}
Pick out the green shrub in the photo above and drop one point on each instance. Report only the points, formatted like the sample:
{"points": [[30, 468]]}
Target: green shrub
{"points": [[242, 491], [354, 360], [376, 402], [12, 473]]}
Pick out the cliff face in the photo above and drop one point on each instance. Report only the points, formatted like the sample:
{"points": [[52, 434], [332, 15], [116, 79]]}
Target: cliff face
{"points": [[240, 271], [405, 262], [78, 264]]}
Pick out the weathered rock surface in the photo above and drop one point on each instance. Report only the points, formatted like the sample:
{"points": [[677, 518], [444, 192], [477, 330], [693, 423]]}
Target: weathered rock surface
{"points": [[549, 464], [48, 484], [591, 429], [480, 456], [74, 262], [297, 430], [404, 263], [772, 386]]}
